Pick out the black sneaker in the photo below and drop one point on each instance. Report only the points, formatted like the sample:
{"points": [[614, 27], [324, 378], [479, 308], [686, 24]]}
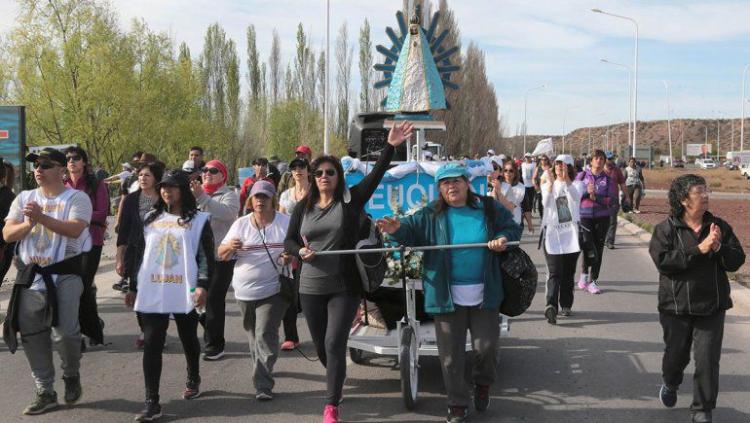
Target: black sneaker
{"points": [[457, 414], [701, 417], [551, 314], [151, 412], [565, 311], [73, 389], [44, 402], [668, 396], [481, 397], [213, 354], [121, 286], [267, 396]]}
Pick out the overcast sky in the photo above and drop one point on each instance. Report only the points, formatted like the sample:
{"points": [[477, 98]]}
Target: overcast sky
{"points": [[699, 47]]}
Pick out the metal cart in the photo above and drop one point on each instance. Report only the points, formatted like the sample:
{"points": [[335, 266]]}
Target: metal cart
{"points": [[411, 339]]}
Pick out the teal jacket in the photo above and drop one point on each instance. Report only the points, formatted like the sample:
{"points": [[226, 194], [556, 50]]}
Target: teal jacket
{"points": [[427, 227]]}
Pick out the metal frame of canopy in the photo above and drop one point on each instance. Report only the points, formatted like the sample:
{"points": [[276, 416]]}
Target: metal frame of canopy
{"points": [[411, 338]]}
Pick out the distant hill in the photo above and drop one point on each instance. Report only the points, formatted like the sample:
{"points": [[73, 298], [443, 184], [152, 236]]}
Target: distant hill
{"points": [[654, 133]]}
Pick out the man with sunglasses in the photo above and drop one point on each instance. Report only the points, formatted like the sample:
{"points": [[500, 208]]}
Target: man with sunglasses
{"points": [[222, 203], [50, 224]]}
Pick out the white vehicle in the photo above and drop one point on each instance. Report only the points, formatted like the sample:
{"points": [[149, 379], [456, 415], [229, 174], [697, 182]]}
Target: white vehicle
{"points": [[707, 164], [745, 170]]}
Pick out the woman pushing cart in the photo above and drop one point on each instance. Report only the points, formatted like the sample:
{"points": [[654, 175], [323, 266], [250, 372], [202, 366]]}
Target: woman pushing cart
{"points": [[463, 287]]}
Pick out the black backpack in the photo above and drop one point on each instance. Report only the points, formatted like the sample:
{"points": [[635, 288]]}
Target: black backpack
{"points": [[518, 271], [371, 266]]}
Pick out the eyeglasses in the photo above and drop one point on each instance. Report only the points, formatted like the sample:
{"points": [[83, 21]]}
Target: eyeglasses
{"points": [[701, 192], [43, 165], [509, 170], [211, 170], [73, 158], [299, 168], [328, 172]]}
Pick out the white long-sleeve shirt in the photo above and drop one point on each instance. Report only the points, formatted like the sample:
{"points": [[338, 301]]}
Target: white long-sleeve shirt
{"points": [[561, 216]]}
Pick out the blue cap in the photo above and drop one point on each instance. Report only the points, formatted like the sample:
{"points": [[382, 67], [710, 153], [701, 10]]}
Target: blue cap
{"points": [[451, 170], [609, 154]]}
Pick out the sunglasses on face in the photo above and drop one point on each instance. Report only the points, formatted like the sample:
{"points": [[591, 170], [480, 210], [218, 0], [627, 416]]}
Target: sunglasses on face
{"points": [[43, 165], [328, 172], [73, 158], [509, 170], [299, 168], [211, 170]]}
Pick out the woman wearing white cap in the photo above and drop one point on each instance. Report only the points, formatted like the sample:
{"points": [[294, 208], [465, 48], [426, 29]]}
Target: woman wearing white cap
{"points": [[256, 241], [561, 197]]}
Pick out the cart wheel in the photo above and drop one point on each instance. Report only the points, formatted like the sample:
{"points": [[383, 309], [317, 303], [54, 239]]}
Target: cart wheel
{"points": [[407, 360], [356, 355]]}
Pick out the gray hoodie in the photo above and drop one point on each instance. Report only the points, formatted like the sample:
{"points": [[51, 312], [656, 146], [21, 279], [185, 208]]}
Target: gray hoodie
{"points": [[224, 206]]}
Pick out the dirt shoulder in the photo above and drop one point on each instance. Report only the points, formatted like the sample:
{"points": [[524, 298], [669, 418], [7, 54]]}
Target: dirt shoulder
{"points": [[735, 212], [719, 179]]}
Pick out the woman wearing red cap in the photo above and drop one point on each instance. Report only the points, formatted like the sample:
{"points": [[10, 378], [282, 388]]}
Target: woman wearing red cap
{"points": [[215, 198]]}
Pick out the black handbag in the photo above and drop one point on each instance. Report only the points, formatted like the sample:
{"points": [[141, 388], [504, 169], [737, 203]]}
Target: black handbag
{"points": [[286, 281], [519, 281], [371, 266]]}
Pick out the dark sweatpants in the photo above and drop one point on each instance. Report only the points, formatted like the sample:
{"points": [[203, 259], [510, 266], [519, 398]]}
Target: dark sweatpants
{"points": [[704, 334], [560, 281], [214, 318], [597, 229], [329, 318], [154, 333]]}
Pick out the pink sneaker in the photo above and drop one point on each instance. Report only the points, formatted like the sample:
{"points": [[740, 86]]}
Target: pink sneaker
{"points": [[289, 345], [593, 288], [331, 414], [583, 282]]}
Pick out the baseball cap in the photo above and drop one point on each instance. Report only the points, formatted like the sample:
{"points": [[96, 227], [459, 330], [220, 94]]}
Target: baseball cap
{"points": [[188, 166], [299, 163], [527, 155], [565, 158], [263, 187], [491, 151], [451, 170], [127, 166], [174, 178], [303, 149], [48, 153]]}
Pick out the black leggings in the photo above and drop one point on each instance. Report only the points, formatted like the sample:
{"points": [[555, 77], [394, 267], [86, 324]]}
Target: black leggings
{"points": [[88, 313], [562, 270], [329, 318], [155, 331], [216, 306], [6, 258], [597, 229], [290, 317]]}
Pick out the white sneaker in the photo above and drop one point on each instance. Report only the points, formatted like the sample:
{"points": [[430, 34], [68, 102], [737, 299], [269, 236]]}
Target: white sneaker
{"points": [[593, 288]]}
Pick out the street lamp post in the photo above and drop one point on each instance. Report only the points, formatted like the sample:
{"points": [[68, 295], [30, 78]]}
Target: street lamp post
{"points": [[630, 97], [327, 68], [525, 104], [635, 82], [742, 117], [669, 126]]}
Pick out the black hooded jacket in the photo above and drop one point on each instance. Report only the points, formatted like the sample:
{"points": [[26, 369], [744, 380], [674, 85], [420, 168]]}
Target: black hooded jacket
{"points": [[691, 282]]}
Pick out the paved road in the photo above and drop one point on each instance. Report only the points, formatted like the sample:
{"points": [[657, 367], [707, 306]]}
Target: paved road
{"points": [[601, 365]]}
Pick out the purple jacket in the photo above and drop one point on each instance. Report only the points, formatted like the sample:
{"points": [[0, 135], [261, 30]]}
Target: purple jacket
{"points": [[603, 194], [100, 206]]}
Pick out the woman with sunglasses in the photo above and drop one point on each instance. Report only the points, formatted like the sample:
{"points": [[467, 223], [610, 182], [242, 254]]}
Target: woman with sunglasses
{"points": [[178, 241], [81, 177], [300, 186], [134, 210], [510, 192], [222, 204], [330, 286], [561, 197]]}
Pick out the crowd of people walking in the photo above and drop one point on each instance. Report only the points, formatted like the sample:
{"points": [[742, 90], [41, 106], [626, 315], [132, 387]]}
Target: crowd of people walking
{"points": [[185, 235]]}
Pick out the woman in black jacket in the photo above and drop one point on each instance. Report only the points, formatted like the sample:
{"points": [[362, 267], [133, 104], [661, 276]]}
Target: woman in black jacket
{"points": [[170, 261], [693, 251], [330, 286]]}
